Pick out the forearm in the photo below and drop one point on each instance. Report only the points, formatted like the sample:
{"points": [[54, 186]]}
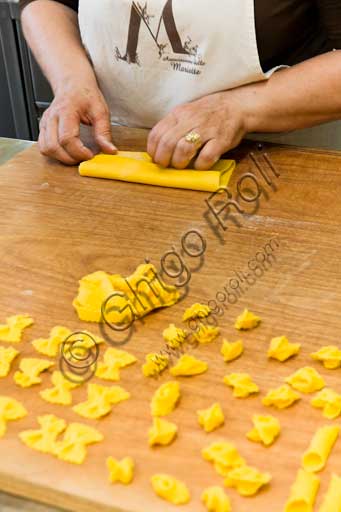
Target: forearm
{"points": [[299, 97], [51, 30]]}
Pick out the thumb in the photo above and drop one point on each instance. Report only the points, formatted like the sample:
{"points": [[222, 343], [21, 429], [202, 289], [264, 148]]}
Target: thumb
{"points": [[102, 131]]}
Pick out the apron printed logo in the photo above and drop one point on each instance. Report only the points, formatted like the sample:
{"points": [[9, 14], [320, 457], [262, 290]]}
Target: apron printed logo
{"points": [[187, 51]]}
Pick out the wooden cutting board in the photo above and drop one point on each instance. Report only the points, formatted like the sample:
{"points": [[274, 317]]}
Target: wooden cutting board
{"points": [[55, 227]]}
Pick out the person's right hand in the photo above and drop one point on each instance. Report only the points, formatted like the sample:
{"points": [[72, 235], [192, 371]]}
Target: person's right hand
{"points": [[60, 124]]}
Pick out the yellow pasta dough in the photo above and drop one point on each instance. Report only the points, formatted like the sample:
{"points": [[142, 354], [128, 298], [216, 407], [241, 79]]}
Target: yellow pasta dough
{"points": [[12, 330], [281, 349], [29, 370], [306, 380], [173, 336], [7, 356], [44, 439], [162, 432], [170, 489], [281, 397], [187, 366], [216, 500], [266, 429], [155, 364], [206, 333], [196, 311], [61, 392], [121, 471], [332, 499], [165, 398], [212, 418], [51, 346], [231, 351], [100, 400], [315, 458], [242, 384], [247, 480], [127, 298], [329, 401], [113, 360], [303, 492], [224, 456], [246, 321], [10, 410], [330, 356], [77, 436]]}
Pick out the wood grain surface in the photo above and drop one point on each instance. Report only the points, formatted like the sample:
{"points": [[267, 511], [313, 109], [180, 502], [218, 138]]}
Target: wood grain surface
{"points": [[55, 227]]}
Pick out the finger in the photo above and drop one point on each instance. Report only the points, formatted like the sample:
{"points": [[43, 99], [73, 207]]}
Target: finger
{"points": [[169, 141], [185, 151], [102, 131], [210, 154], [158, 132], [50, 145], [69, 140]]}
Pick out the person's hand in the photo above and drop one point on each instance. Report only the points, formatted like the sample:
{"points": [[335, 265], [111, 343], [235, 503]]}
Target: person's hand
{"points": [[60, 124], [220, 121]]}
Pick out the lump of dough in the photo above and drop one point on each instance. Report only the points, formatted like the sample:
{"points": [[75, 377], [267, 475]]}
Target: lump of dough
{"points": [[61, 392], [247, 480], [281, 349], [174, 336], [72, 448], [165, 398], [216, 500], [170, 489], [44, 439], [212, 418], [13, 329], [231, 351], [306, 380], [281, 397], [113, 361], [303, 492], [100, 400], [330, 356], [155, 364], [187, 366], [10, 410], [330, 401], [266, 429], [162, 432], [224, 456], [242, 384], [7, 356], [121, 471], [29, 370], [247, 321], [206, 333], [196, 311]]}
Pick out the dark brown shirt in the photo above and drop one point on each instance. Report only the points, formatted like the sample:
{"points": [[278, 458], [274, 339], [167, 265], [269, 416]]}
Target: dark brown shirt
{"points": [[288, 31]]}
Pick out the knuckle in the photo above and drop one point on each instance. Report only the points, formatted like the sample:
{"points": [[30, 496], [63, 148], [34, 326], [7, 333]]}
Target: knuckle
{"points": [[186, 149], [51, 148], [65, 139], [167, 145]]}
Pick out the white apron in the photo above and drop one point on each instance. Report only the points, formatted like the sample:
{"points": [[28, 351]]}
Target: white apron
{"points": [[151, 56]]}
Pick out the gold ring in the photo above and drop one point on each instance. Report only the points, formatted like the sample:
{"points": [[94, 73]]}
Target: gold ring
{"points": [[193, 137]]}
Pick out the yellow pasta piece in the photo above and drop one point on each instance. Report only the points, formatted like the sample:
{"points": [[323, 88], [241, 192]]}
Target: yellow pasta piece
{"points": [[61, 392], [212, 418], [242, 384], [216, 500], [170, 489], [332, 499], [72, 448], [51, 346], [224, 456], [120, 470], [281, 349], [231, 351], [206, 333], [247, 480], [10, 410], [113, 360], [165, 398], [13, 329], [306, 380], [100, 400], [266, 429], [247, 321], [196, 311], [44, 439], [29, 370], [329, 401], [155, 364], [173, 336], [162, 432], [187, 366], [303, 492], [131, 298], [330, 356], [7, 356], [315, 458], [281, 397]]}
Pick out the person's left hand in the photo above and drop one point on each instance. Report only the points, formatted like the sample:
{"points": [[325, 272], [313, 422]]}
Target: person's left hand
{"points": [[220, 121]]}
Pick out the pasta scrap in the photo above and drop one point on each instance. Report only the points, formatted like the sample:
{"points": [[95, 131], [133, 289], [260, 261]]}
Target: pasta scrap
{"points": [[187, 366], [162, 432], [196, 311], [50, 346], [247, 321], [315, 458], [14, 327], [170, 489], [212, 418], [266, 430], [77, 436], [330, 356], [165, 398], [206, 333], [44, 439], [216, 500], [242, 384], [155, 364], [281, 349], [100, 400], [224, 456], [7, 356], [247, 480], [306, 380], [329, 401], [29, 370], [120, 470], [231, 350], [303, 492], [174, 336], [281, 397], [10, 410], [113, 361], [61, 392], [332, 499]]}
